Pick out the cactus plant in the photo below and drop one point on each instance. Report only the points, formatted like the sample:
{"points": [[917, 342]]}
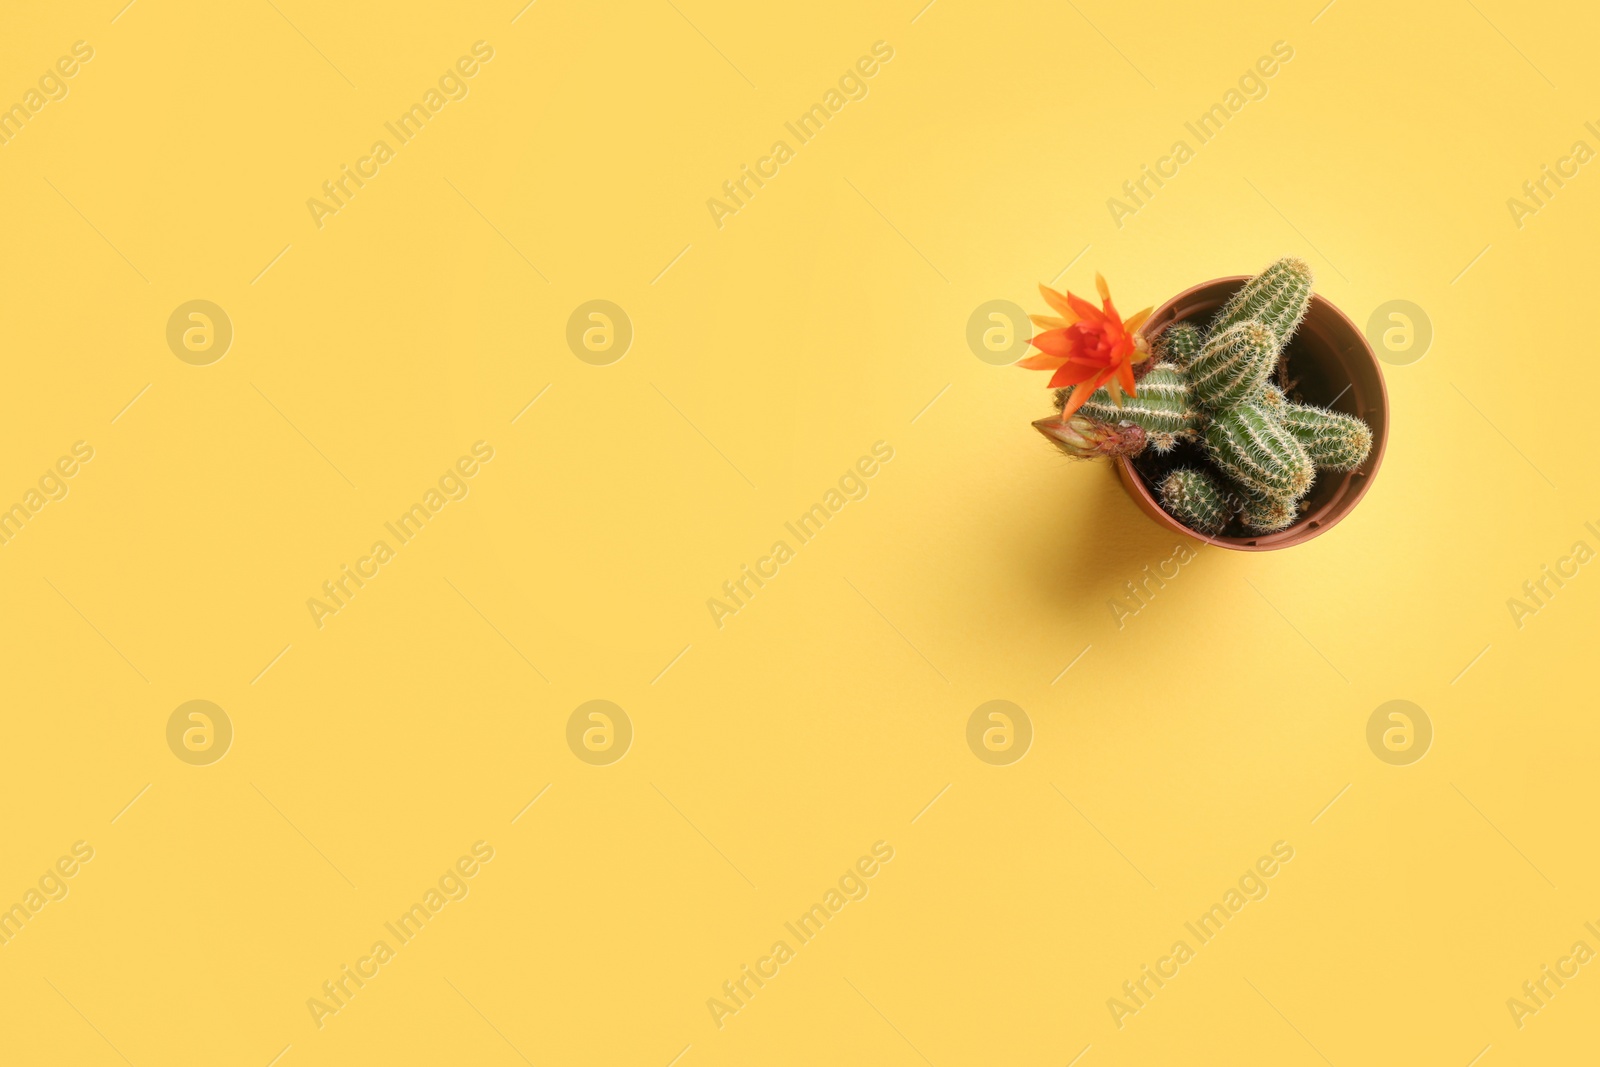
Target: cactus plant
{"points": [[1195, 499], [1163, 407], [1212, 386], [1233, 365]]}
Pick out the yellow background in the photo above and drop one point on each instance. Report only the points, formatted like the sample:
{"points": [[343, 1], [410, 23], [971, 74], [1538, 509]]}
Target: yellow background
{"points": [[769, 354]]}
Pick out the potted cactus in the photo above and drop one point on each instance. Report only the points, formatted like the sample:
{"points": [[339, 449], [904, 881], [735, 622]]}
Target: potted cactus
{"points": [[1245, 411]]}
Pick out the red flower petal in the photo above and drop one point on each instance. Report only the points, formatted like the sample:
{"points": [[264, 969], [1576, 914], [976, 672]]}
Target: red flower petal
{"points": [[1125, 378], [1056, 342], [1087, 311], [1073, 372]]}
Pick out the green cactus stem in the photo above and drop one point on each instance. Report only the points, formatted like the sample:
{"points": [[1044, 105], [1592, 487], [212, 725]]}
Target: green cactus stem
{"points": [[1195, 499], [1179, 343], [1269, 514], [1163, 407], [1233, 365], [1257, 453], [1278, 298], [1333, 440]]}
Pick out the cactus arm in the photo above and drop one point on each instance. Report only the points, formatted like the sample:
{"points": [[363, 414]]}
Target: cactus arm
{"points": [[1278, 298], [1257, 453], [1333, 440], [1233, 365], [1163, 407]]}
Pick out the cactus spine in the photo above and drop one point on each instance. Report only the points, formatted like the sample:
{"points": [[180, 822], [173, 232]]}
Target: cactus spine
{"points": [[1332, 439], [1163, 407], [1233, 365], [1195, 499]]}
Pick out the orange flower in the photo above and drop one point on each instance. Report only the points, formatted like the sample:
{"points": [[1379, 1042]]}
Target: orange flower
{"points": [[1088, 347]]}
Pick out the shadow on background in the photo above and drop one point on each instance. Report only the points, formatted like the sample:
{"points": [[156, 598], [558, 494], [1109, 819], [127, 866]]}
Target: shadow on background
{"points": [[1096, 541]]}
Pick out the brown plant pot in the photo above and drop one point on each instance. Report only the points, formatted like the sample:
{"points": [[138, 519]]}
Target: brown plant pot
{"points": [[1334, 366]]}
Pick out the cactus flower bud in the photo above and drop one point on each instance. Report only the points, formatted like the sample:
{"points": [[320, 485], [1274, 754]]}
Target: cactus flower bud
{"points": [[1084, 438]]}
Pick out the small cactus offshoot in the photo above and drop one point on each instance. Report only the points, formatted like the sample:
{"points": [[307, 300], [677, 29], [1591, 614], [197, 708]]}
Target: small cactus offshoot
{"points": [[1197, 500], [1256, 453], [1269, 515], [1210, 385], [1179, 343], [1273, 400]]}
